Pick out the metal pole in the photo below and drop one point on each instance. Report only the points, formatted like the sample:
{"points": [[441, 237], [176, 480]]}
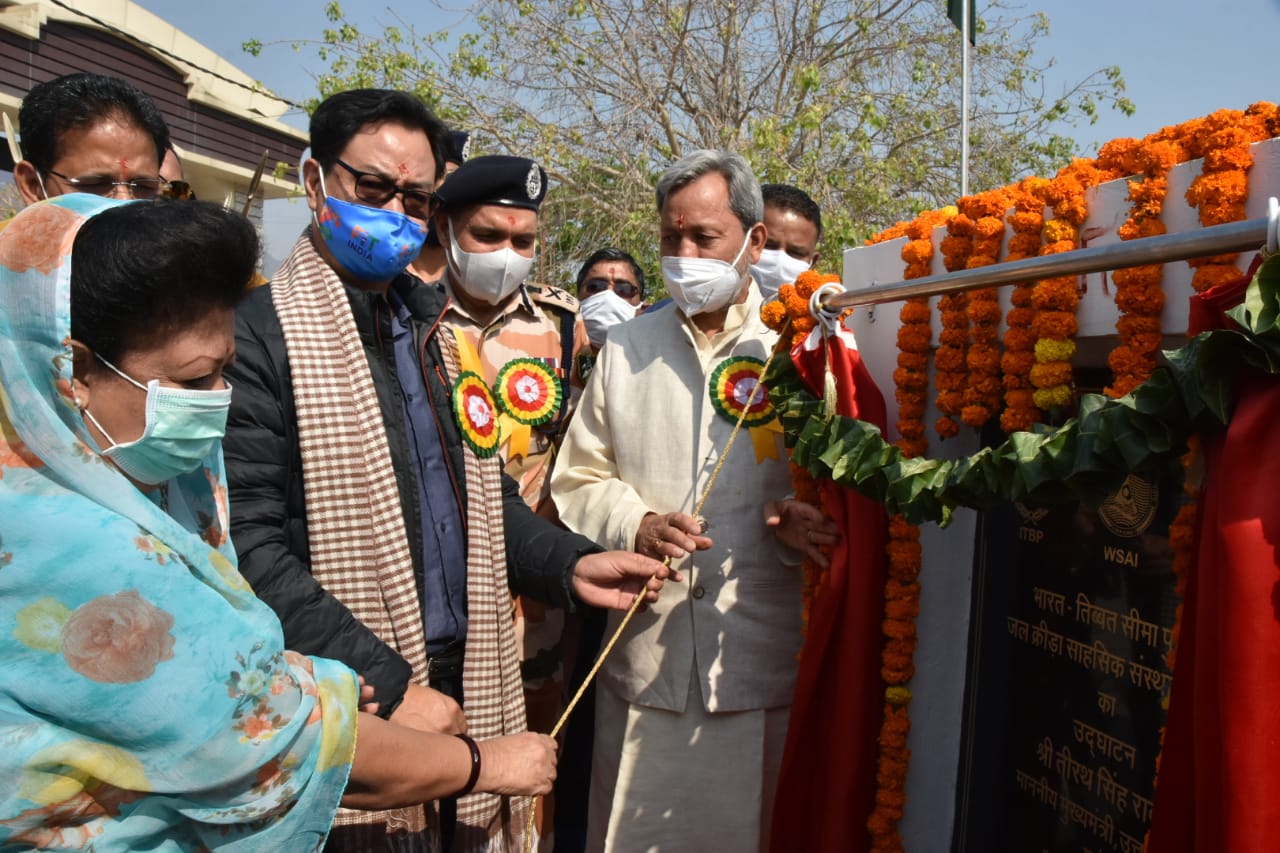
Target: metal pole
{"points": [[1215, 240], [964, 98]]}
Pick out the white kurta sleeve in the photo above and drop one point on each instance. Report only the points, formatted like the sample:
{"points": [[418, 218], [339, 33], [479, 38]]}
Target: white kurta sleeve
{"points": [[585, 484]]}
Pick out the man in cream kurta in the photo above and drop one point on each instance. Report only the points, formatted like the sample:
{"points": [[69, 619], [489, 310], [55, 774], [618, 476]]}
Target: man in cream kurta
{"points": [[693, 702]]}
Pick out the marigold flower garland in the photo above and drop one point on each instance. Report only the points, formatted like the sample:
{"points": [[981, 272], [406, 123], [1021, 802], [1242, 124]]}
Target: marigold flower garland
{"points": [[1139, 290], [1038, 351], [982, 395], [1026, 220], [1219, 192], [1055, 300], [902, 587], [950, 368], [793, 302]]}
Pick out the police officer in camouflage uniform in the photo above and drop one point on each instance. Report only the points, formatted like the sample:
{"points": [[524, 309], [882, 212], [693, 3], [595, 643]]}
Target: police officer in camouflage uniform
{"points": [[488, 226]]}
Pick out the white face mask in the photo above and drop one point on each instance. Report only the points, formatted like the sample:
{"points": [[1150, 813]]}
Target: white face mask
{"points": [[774, 269], [487, 276], [603, 311], [703, 285]]}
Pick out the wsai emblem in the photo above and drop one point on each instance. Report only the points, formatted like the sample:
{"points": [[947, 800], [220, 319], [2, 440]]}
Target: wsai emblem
{"points": [[1130, 511], [476, 413]]}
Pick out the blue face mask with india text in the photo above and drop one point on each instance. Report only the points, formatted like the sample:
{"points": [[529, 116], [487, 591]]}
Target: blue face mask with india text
{"points": [[183, 427], [372, 244]]}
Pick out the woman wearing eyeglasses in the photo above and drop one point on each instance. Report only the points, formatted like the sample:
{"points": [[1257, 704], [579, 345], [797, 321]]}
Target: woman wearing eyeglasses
{"points": [[147, 700]]}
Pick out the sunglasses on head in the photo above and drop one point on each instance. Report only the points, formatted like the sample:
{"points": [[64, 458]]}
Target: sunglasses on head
{"points": [[179, 190], [625, 289], [376, 190]]}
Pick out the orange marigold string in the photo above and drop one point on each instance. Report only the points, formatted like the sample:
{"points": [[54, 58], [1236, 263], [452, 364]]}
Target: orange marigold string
{"points": [[982, 393], [1039, 345], [1224, 139], [902, 587], [1026, 220], [902, 597], [1055, 300], [951, 369], [1139, 290]]}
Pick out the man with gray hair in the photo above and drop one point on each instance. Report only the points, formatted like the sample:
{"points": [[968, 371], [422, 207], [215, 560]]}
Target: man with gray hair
{"points": [[693, 703]]}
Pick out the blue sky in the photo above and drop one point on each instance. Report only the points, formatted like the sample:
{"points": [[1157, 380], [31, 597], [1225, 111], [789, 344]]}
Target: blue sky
{"points": [[1180, 58]]}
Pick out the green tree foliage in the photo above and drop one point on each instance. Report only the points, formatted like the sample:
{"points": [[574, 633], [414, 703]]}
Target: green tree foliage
{"points": [[856, 102]]}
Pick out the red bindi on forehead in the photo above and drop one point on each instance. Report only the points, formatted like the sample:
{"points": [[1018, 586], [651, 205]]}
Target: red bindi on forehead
{"points": [[511, 220], [124, 168], [404, 170], [679, 220]]}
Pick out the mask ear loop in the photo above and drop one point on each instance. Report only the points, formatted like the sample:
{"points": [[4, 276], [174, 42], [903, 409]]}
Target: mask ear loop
{"points": [[450, 255], [315, 216], [88, 414], [746, 242]]}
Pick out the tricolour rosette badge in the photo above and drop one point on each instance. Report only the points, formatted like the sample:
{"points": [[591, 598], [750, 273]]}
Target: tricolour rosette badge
{"points": [[477, 415], [735, 385], [528, 391]]}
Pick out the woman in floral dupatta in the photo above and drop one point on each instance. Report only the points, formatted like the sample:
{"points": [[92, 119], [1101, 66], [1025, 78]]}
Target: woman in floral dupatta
{"points": [[146, 698], [147, 701]]}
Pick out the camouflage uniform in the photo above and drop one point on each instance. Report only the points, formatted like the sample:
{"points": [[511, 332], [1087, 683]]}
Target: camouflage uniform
{"points": [[529, 326]]}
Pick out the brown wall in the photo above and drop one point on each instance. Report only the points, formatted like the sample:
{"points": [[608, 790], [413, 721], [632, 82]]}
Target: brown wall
{"points": [[66, 48]]}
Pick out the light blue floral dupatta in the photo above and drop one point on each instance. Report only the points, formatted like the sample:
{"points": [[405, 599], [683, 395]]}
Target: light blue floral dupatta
{"points": [[146, 699]]}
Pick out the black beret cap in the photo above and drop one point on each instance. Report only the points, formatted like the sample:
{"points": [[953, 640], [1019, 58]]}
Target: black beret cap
{"points": [[494, 179], [459, 147]]}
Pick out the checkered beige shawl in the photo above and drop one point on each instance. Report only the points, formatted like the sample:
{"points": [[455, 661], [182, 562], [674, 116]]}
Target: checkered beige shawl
{"points": [[359, 547]]}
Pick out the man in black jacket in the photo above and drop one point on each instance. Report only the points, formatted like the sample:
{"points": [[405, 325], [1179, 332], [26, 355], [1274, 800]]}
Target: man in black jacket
{"points": [[296, 447]]}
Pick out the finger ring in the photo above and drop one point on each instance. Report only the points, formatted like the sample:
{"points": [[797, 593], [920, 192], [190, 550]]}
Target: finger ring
{"points": [[809, 534]]}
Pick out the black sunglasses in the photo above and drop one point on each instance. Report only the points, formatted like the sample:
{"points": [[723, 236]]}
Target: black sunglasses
{"points": [[376, 190], [625, 289], [105, 184]]}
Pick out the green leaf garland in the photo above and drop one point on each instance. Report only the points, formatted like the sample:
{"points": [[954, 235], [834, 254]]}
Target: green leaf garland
{"points": [[1086, 458]]}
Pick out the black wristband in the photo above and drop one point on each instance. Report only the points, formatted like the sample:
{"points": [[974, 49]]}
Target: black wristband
{"points": [[475, 766]]}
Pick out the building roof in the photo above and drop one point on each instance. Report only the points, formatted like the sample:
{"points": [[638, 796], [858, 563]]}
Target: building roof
{"points": [[220, 119]]}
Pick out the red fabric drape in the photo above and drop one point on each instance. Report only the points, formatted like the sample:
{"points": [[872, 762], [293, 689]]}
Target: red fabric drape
{"points": [[827, 782], [1218, 787]]}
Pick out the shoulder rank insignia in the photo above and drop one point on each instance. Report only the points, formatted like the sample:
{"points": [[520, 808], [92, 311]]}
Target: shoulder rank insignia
{"points": [[546, 294]]}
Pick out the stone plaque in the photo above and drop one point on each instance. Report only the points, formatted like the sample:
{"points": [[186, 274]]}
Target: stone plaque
{"points": [[1068, 678]]}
